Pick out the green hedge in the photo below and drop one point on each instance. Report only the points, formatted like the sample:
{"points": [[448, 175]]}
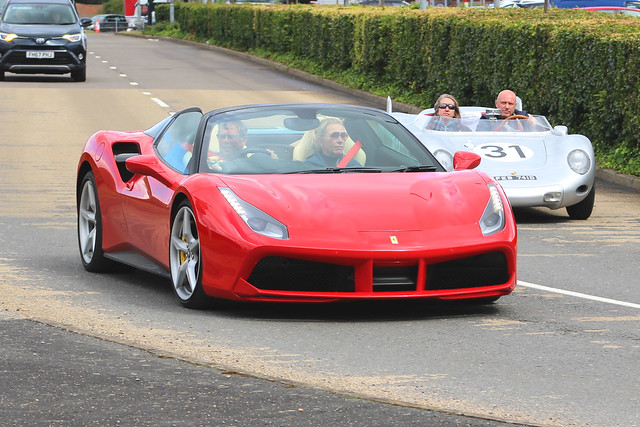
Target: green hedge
{"points": [[577, 68]]}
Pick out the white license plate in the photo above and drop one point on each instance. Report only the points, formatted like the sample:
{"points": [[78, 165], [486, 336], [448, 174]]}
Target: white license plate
{"points": [[37, 54], [516, 178]]}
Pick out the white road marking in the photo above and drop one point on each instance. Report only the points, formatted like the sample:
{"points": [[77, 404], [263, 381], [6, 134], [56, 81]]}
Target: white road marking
{"points": [[156, 100], [578, 294], [160, 102]]}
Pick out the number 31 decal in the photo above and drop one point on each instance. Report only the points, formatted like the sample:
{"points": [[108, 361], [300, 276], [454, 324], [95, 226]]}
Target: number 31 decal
{"points": [[504, 152]]}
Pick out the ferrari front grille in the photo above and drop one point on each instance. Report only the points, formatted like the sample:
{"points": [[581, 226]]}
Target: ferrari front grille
{"points": [[390, 279], [295, 275], [477, 271]]}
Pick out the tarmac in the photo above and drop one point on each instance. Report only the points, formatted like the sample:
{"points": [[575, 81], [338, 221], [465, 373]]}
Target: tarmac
{"points": [[51, 376]]}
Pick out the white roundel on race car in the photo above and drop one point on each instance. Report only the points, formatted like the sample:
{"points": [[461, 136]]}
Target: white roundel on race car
{"points": [[503, 151]]}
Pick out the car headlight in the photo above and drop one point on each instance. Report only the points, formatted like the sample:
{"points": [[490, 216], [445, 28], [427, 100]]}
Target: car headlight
{"points": [[492, 219], [73, 37], [7, 37], [579, 161], [444, 158], [257, 220]]}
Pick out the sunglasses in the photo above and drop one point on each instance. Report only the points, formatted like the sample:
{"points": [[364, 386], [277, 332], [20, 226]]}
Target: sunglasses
{"points": [[449, 106], [228, 136], [339, 134]]}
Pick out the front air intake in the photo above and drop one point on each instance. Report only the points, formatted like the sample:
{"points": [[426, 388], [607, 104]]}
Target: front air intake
{"points": [[477, 271], [295, 275]]}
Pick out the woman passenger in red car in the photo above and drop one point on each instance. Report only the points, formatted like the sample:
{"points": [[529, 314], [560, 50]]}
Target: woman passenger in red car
{"points": [[330, 138]]}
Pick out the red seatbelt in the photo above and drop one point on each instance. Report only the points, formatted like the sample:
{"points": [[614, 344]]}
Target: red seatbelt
{"points": [[350, 154]]}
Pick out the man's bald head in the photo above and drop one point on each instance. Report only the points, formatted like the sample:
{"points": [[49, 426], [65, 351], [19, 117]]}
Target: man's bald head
{"points": [[506, 102]]}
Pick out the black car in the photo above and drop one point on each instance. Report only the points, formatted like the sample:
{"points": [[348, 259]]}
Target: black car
{"points": [[43, 37], [108, 23]]}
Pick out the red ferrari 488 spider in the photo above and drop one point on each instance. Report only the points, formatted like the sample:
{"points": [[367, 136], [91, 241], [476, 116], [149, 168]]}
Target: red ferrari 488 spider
{"points": [[293, 202]]}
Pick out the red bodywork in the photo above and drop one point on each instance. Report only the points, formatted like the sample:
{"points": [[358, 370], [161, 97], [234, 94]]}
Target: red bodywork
{"points": [[370, 222], [613, 10]]}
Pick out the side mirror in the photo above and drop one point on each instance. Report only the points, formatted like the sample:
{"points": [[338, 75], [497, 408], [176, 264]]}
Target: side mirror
{"points": [[147, 166], [85, 22], [560, 130], [463, 160]]}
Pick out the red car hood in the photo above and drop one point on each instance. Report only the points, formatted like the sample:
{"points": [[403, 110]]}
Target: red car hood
{"points": [[367, 202]]}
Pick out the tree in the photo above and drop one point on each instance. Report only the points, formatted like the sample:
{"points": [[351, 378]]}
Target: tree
{"points": [[114, 7]]}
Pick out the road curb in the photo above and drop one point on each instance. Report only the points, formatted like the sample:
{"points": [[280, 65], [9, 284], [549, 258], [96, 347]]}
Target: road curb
{"points": [[629, 181], [609, 175]]}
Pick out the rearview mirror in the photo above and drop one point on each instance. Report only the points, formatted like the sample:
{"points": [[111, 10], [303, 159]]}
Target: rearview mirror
{"points": [[147, 166], [560, 130], [463, 160]]}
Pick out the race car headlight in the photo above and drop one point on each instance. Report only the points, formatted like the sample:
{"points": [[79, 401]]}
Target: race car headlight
{"points": [[444, 158], [73, 37], [257, 220], [492, 219], [7, 37], [579, 161]]}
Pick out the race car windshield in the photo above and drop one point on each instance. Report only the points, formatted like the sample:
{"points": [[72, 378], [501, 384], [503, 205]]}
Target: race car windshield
{"points": [[484, 123], [309, 139]]}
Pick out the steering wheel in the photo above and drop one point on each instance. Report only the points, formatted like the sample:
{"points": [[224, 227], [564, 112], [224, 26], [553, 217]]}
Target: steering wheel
{"points": [[515, 116], [244, 153]]}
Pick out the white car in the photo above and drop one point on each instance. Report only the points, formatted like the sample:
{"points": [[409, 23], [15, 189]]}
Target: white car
{"points": [[536, 164]]}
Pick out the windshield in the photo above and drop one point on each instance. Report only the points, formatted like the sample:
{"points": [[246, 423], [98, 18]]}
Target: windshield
{"points": [[310, 139], [39, 14], [482, 122]]}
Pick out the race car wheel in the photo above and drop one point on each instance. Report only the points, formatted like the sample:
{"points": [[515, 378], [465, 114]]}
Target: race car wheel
{"points": [[90, 227], [184, 258], [514, 117], [583, 209]]}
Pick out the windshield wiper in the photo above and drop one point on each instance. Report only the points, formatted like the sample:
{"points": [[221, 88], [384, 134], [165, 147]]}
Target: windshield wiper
{"points": [[419, 168], [340, 170]]}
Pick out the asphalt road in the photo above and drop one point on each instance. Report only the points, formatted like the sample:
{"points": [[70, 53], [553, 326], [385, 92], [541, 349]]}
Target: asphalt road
{"points": [[55, 377], [563, 349]]}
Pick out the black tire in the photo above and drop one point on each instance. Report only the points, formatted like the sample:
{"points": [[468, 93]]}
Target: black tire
{"points": [[184, 258], [90, 227], [79, 75], [1, 76], [583, 209]]}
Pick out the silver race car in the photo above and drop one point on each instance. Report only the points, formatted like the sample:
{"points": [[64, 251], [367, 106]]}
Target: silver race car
{"points": [[537, 164]]}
